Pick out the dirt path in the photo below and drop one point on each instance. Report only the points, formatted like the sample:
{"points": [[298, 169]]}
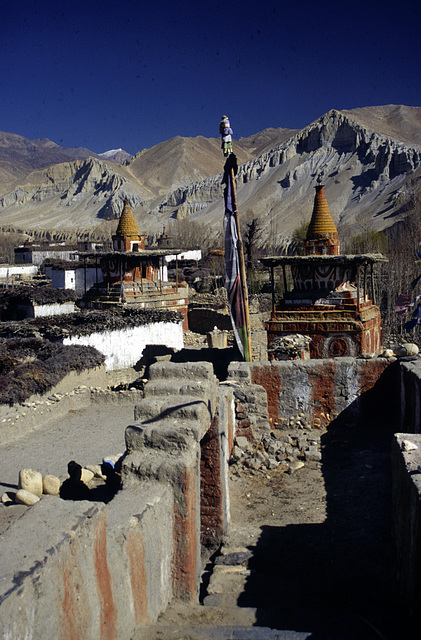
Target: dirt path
{"points": [[323, 555]]}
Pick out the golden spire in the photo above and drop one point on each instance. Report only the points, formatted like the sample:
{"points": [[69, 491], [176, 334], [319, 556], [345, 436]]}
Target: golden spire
{"points": [[127, 225], [322, 235]]}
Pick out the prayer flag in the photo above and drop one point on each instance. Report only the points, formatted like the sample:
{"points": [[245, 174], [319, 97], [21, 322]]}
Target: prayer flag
{"points": [[232, 262]]}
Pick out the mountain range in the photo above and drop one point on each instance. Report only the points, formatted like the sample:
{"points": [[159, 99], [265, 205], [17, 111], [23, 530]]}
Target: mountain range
{"points": [[369, 157]]}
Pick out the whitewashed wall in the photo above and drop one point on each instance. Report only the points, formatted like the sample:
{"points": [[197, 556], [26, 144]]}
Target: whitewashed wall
{"points": [[192, 254], [42, 310], [63, 278], [124, 348], [18, 270]]}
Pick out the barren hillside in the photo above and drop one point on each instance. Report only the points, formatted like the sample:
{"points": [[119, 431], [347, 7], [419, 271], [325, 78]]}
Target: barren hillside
{"points": [[367, 157]]}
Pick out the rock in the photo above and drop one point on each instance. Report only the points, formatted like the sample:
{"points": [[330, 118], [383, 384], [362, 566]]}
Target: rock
{"points": [[313, 455], [30, 480], [114, 459], [260, 455], [8, 498], [96, 470], [253, 463], [295, 465], [406, 349], [235, 558], [243, 443], [86, 476], [407, 445], [272, 463], [51, 485], [387, 353], [26, 497]]}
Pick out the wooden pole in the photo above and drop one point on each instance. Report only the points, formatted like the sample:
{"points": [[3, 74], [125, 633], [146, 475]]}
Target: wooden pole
{"points": [[242, 265]]}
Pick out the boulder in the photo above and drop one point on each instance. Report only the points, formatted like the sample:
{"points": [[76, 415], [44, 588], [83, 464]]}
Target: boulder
{"points": [[51, 485], [26, 497], [30, 480], [86, 476]]}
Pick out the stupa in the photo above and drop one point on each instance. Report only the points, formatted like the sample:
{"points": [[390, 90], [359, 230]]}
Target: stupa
{"points": [[329, 302], [133, 275]]}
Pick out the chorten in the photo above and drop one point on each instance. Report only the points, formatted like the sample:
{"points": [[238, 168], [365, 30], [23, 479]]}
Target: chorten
{"points": [[322, 235], [127, 236], [329, 302]]}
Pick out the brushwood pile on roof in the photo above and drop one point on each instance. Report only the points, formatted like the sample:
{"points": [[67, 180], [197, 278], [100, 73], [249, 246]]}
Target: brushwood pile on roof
{"points": [[86, 322], [48, 364], [37, 295]]}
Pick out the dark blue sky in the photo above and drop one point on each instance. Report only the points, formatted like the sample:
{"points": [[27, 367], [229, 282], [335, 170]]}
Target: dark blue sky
{"points": [[128, 74]]}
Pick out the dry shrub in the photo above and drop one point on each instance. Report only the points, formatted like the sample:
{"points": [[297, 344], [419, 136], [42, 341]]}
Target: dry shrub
{"points": [[51, 363]]}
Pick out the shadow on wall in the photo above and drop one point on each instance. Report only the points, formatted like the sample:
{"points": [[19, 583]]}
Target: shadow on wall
{"points": [[219, 358], [337, 578]]}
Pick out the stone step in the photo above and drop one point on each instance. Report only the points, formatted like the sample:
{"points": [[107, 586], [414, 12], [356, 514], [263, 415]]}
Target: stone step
{"points": [[168, 408], [189, 370], [174, 386], [168, 435], [225, 632]]}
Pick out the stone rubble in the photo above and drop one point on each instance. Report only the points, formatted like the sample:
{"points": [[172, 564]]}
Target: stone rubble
{"points": [[285, 450]]}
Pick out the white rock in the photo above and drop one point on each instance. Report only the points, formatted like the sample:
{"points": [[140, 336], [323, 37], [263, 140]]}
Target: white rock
{"points": [[86, 475], [31, 481], [411, 349], [295, 465], [8, 497], [26, 497], [387, 353], [51, 485], [407, 445], [96, 470]]}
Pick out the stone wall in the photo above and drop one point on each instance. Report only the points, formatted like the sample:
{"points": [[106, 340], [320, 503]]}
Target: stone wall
{"points": [[90, 570], [87, 570], [406, 467], [317, 390]]}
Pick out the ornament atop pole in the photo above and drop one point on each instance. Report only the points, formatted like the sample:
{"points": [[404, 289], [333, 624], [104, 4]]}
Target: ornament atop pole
{"points": [[226, 135], [235, 269]]}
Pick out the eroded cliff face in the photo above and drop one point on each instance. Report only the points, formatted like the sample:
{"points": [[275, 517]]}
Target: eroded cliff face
{"points": [[365, 175], [63, 190]]}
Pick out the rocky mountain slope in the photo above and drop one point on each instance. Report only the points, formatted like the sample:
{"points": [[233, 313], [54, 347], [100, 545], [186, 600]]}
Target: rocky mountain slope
{"points": [[368, 157]]}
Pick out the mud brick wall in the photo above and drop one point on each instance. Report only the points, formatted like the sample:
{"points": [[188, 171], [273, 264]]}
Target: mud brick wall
{"points": [[317, 389]]}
